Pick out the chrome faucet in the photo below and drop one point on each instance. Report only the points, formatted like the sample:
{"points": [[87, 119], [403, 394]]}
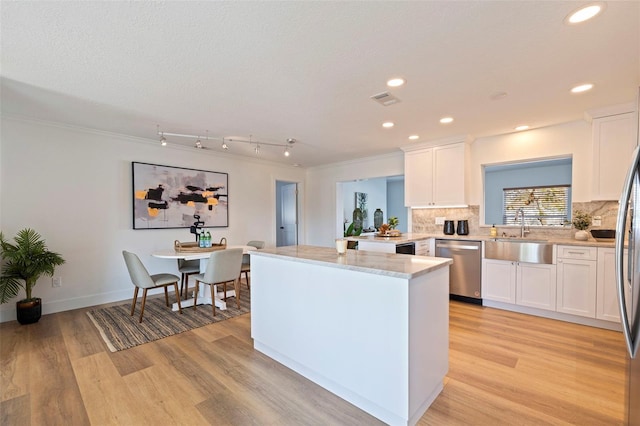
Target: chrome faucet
{"points": [[522, 230]]}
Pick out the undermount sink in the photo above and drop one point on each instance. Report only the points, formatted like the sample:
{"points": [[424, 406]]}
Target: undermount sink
{"points": [[519, 250]]}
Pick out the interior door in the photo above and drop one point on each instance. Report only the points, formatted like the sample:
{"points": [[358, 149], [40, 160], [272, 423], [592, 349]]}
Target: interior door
{"points": [[289, 215]]}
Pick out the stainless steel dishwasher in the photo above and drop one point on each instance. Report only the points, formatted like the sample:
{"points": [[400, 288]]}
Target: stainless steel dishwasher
{"points": [[466, 271]]}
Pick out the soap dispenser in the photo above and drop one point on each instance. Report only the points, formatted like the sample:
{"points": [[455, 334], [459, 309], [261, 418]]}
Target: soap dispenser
{"points": [[494, 231]]}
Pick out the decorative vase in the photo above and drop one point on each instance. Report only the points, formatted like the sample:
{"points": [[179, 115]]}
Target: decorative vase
{"points": [[29, 311], [582, 235], [377, 218], [357, 218]]}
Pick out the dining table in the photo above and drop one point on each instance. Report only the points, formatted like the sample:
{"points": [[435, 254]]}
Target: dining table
{"points": [[204, 297]]}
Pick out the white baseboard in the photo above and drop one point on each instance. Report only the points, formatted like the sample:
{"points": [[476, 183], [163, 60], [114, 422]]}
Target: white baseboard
{"points": [[8, 311]]}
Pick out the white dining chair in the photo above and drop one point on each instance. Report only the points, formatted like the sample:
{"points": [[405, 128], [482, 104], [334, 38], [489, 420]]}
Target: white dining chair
{"points": [[186, 269], [141, 279], [223, 266], [246, 260]]}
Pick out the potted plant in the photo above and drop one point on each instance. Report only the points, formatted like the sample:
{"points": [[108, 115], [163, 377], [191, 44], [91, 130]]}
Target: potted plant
{"points": [[581, 221], [24, 261]]}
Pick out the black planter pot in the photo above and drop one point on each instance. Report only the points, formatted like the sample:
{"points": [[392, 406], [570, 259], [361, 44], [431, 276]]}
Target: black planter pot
{"points": [[29, 311]]}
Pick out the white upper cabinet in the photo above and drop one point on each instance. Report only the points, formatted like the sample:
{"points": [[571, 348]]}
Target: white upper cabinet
{"points": [[613, 142], [435, 176]]}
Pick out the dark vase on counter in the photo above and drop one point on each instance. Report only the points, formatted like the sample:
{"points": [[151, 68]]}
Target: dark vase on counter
{"points": [[448, 227], [358, 218], [463, 227], [377, 218]]}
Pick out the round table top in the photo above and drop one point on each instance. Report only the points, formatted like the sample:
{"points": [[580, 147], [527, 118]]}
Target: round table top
{"points": [[172, 254]]}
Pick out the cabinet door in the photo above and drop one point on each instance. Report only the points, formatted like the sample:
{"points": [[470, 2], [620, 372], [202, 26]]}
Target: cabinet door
{"points": [[536, 286], [499, 280], [577, 287], [449, 171], [418, 178], [606, 292], [613, 143]]}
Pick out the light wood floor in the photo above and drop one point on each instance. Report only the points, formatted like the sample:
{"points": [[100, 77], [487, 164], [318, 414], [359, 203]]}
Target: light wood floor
{"points": [[505, 369]]}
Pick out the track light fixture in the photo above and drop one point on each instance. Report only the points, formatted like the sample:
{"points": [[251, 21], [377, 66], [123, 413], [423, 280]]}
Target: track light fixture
{"points": [[163, 140], [228, 142]]}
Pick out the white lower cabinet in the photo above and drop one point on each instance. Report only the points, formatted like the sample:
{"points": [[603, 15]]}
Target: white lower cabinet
{"points": [[499, 280], [525, 284], [577, 280], [536, 286], [606, 287], [581, 283]]}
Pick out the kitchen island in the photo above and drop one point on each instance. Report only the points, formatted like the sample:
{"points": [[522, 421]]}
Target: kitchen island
{"points": [[370, 327]]}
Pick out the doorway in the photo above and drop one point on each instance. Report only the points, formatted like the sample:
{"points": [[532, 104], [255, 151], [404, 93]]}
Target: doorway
{"points": [[286, 213]]}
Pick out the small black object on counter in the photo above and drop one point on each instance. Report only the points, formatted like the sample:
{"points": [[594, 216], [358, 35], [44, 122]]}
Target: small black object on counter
{"points": [[463, 227]]}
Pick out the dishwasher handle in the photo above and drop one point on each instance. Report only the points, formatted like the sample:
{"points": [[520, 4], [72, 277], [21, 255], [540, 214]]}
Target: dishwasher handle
{"points": [[458, 247]]}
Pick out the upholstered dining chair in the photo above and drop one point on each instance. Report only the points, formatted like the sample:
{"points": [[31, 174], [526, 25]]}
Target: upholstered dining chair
{"points": [[187, 268], [223, 266], [142, 280], [246, 260]]}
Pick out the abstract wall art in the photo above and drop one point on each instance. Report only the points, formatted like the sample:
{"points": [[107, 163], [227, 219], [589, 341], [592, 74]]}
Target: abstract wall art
{"points": [[169, 197]]}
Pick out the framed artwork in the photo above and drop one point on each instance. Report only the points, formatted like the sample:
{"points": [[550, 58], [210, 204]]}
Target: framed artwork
{"points": [[169, 197]]}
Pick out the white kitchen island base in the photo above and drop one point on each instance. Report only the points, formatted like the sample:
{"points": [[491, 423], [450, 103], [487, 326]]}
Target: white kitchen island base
{"points": [[361, 326]]}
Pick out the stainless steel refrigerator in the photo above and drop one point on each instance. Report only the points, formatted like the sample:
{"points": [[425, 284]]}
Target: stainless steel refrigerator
{"points": [[628, 279]]}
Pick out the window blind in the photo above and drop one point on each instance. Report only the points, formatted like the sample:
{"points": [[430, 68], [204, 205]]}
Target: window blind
{"points": [[543, 205]]}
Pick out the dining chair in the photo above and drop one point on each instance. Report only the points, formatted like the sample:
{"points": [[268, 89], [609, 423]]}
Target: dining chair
{"points": [[142, 280], [246, 260], [223, 266], [187, 268]]}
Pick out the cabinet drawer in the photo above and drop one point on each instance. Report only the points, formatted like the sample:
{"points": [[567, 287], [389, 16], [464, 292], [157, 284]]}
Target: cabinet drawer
{"points": [[423, 247], [577, 252]]}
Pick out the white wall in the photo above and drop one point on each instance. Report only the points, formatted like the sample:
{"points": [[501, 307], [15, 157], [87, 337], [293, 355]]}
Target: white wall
{"points": [[73, 186], [569, 139]]}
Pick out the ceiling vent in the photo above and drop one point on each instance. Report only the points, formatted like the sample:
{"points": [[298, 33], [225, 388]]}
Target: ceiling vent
{"points": [[385, 99]]}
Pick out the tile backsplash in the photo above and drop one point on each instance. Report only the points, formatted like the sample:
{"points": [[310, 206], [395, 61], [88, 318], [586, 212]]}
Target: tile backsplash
{"points": [[424, 220]]}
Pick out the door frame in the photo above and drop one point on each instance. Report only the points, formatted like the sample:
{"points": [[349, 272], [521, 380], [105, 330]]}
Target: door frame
{"points": [[299, 209]]}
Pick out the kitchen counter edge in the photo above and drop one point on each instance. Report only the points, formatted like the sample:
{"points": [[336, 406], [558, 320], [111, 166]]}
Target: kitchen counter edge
{"points": [[387, 264]]}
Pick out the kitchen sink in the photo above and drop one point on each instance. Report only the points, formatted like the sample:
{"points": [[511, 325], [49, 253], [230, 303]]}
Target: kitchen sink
{"points": [[519, 250]]}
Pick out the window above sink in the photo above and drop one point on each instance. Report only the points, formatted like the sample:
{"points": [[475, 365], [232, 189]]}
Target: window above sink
{"points": [[542, 188]]}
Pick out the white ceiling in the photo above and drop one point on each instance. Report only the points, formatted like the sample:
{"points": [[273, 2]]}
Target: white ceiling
{"points": [[306, 70]]}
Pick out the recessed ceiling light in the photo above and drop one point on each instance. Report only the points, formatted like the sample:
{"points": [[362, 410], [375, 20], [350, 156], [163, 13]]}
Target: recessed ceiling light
{"points": [[446, 120], [388, 124], [521, 128], [584, 13], [582, 88], [395, 82], [414, 137]]}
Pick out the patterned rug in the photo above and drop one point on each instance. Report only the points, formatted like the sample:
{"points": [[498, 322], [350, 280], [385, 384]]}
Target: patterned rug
{"points": [[121, 331]]}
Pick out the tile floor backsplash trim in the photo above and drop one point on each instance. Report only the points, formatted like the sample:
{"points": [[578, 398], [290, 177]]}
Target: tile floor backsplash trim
{"points": [[424, 220]]}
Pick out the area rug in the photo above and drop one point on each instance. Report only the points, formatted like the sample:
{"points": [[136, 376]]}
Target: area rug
{"points": [[121, 331]]}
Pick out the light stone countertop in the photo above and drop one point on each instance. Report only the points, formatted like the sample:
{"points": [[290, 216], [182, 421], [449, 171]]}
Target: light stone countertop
{"points": [[409, 237], [388, 264]]}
